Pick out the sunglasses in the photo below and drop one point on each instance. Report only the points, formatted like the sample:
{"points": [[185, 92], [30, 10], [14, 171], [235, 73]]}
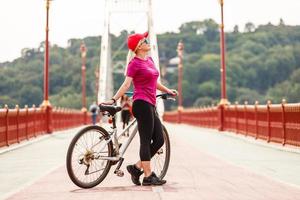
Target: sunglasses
{"points": [[146, 41]]}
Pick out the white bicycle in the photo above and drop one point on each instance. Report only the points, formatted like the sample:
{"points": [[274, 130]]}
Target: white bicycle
{"points": [[94, 150]]}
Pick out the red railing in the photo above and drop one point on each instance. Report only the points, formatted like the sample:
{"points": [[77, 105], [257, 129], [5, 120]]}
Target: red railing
{"points": [[66, 118], [17, 124], [278, 123]]}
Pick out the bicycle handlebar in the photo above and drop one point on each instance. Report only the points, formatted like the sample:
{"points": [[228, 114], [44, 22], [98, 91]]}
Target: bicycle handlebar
{"points": [[112, 109], [164, 96]]}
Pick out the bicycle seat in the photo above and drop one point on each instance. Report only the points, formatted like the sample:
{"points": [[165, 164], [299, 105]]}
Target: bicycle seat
{"points": [[112, 110]]}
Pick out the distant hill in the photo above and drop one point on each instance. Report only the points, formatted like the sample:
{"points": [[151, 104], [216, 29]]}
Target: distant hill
{"points": [[262, 63]]}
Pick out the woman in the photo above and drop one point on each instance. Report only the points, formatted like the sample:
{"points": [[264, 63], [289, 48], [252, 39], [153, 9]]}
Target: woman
{"points": [[125, 113], [94, 109], [143, 73]]}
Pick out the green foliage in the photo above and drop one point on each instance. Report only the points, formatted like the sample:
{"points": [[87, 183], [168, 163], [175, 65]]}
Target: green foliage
{"points": [[289, 89], [262, 63]]}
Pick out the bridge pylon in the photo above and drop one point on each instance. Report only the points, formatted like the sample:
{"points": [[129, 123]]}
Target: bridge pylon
{"points": [[126, 7]]}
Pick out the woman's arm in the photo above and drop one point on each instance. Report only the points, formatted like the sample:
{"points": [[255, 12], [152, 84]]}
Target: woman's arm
{"points": [[124, 87], [163, 88]]}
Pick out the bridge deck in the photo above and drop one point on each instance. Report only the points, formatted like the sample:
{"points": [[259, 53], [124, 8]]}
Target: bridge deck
{"points": [[205, 164]]}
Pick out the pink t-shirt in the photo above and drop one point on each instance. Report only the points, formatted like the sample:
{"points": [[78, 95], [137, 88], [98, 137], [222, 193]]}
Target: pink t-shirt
{"points": [[144, 75]]}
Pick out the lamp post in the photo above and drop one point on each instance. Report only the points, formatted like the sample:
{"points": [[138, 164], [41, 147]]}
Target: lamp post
{"points": [[223, 101], [180, 48], [46, 104], [83, 51], [97, 82], [223, 64]]}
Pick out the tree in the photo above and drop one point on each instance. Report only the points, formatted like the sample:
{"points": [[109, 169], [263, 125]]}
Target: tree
{"points": [[236, 29], [281, 22], [249, 27], [262, 63], [208, 27], [30, 94]]}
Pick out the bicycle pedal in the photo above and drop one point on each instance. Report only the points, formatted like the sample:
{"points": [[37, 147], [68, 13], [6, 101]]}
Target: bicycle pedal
{"points": [[119, 173]]}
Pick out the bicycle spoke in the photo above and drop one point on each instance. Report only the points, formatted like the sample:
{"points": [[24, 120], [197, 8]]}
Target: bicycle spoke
{"points": [[86, 169]]}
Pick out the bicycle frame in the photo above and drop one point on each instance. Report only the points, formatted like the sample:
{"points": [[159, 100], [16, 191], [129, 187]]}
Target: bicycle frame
{"points": [[115, 137]]}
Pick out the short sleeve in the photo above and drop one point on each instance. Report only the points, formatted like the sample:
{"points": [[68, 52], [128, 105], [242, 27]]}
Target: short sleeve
{"points": [[131, 69]]}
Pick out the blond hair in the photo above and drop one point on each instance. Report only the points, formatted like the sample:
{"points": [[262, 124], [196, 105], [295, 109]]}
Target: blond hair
{"points": [[130, 56]]}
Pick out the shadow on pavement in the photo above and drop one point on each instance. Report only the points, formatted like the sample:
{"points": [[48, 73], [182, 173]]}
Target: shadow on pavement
{"points": [[166, 188]]}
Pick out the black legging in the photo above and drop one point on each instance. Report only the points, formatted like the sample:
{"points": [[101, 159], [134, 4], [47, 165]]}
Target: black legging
{"points": [[125, 117], [150, 128]]}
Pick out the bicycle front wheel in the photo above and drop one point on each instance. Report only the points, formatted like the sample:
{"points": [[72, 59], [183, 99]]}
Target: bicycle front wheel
{"points": [[160, 161], [84, 166]]}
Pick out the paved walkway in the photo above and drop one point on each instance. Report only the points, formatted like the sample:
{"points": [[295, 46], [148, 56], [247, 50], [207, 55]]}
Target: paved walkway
{"points": [[205, 164]]}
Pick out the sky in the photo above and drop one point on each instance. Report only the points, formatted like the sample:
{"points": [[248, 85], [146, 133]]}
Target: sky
{"points": [[23, 22]]}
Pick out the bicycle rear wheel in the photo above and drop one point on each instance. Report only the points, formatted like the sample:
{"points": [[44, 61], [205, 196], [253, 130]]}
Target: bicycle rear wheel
{"points": [[160, 161], [83, 166]]}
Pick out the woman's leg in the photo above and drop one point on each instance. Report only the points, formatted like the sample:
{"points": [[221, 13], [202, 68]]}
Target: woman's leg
{"points": [[127, 117], [145, 119], [157, 141], [123, 118], [94, 117], [127, 121], [157, 137]]}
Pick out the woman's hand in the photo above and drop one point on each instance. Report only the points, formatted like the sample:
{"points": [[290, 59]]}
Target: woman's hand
{"points": [[172, 92], [109, 102], [163, 88]]}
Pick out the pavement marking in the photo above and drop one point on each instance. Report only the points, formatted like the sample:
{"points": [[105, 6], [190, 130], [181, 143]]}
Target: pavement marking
{"points": [[26, 185], [250, 140], [158, 189], [254, 171], [182, 188], [23, 143], [264, 143], [33, 140]]}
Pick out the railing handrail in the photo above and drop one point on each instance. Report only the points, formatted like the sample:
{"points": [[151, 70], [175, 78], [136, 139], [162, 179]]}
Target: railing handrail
{"points": [[17, 124], [272, 122]]}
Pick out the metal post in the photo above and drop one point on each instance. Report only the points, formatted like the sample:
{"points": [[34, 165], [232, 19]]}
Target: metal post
{"points": [[223, 101], [83, 60], [256, 119], [236, 117], [283, 122], [18, 122], [269, 120], [46, 60], [46, 104], [6, 125], [97, 82], [83, 51], [26, 125], [34, 120], [223, 64], [245, 116], [180, 48]]}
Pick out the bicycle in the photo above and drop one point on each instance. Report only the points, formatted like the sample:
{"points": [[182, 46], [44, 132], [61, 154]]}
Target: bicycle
{"points": [[88, 167]]}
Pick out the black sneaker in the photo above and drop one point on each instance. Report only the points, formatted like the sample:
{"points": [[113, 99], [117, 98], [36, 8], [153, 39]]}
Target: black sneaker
{"points": [[153, 180], [135, 174]]}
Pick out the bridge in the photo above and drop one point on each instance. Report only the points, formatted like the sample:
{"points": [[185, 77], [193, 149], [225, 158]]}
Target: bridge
{"points": [[224, 151]]}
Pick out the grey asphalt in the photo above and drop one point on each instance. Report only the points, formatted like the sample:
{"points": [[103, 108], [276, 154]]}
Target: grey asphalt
{"points": [[269, 159], [191, 147], [21, 166]]}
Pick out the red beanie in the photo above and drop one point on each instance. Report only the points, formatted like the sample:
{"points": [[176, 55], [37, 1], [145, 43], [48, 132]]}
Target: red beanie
{"points": [[134, 39]]}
